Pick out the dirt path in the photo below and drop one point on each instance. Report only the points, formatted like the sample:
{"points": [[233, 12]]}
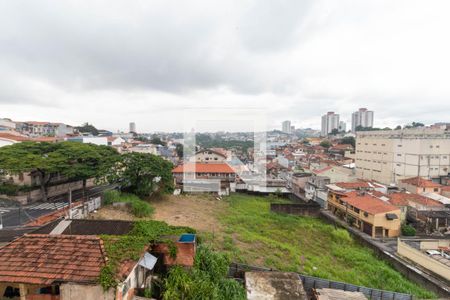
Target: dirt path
{"points": [[197, 211]]}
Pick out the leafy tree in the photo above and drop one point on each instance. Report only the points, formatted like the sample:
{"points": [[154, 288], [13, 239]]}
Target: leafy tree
{"points": [[76, 161], [86, 161], [398, 127], [156, 140], [335, 131], [326, 144], [408, 230], [180, 150], [142, 173], [89, 128], [415, 125], [348, 140], [43, 159]]}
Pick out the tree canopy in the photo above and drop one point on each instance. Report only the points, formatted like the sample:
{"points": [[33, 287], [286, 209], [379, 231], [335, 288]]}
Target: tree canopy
{"points": [[348, 140], [325, 144], [142, 174], [75, 161], [88, 128]]}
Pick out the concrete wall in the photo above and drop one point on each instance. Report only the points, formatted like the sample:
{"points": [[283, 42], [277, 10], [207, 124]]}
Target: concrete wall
{"points": [[296, 209], [69, 291], [423, 260]]}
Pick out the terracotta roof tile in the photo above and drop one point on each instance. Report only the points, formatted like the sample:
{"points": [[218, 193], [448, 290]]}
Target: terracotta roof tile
{"points": [[421, 182], [368, 203], [13, 137], [203, 168], [43, 259], [403, 199]]}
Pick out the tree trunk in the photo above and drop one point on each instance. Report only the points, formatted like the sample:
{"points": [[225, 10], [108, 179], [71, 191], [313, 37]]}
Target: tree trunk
{"points": [[44, 179], [84, 189]]}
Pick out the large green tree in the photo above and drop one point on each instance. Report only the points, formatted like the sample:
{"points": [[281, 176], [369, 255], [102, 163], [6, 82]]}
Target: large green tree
{"points": [[86, 161], [75, 161], [142, 174], [41, 159]]}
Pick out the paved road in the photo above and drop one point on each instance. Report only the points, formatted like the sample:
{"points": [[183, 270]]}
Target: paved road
{"points": [[15, 216]]}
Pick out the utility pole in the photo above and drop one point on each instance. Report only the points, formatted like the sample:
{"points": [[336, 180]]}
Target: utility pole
{"points": [[70, 203]]}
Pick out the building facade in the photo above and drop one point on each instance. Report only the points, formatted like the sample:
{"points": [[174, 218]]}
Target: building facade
{"points": [[363, 118], [330, 121], [389, 156], [286, 127]]}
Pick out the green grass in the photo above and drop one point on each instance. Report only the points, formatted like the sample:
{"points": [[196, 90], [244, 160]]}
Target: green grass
{"points": [[139, 208], [307, 245]]}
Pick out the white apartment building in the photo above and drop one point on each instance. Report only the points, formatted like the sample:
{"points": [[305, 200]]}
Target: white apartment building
{"points": [[389, 156], [362, 117], [330, 121], [286, 126]]}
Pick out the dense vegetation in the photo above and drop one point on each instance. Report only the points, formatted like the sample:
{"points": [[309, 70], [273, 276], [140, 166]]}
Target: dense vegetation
{"points": [[142, 174], [72, 160], [139, 208], [132, 245], [206, 280], [306, 245], [206, 141], [13, 189]]}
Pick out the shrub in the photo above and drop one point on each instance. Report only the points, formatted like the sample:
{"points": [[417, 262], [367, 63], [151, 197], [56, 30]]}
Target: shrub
{"points": [[13, 189], [408, 230], [139, 208], [206, 280]]}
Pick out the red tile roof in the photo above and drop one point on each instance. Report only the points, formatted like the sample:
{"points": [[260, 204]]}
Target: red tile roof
{"points": [[13, 137], [368, 203], [203, 168], [354, 185], [44, 259], [403, 199], [421, 182]]}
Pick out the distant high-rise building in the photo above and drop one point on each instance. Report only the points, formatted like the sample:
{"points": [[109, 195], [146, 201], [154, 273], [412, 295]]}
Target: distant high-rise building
{"points": [[330, 121], [342, 126], [132, 127], [363, 118], [286, 126]]}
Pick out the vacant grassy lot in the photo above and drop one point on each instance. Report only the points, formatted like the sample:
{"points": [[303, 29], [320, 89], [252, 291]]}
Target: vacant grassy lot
{"points": [[253, 235]]}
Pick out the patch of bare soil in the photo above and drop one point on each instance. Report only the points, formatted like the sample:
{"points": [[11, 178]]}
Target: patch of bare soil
{"points": [[196, 211], [112, 213]]}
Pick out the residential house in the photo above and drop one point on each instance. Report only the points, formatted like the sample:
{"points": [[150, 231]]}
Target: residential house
{"points": [[316, 190], [419, 185], [365, 212], [9, 138], [205, 177], [298, 184], [336, 173]]}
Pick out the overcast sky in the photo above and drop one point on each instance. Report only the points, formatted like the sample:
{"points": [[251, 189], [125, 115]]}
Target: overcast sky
{"points": [[158, 62]]}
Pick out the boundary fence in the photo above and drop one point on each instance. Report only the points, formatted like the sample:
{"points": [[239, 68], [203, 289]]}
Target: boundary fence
{"points": [[309, 282]]}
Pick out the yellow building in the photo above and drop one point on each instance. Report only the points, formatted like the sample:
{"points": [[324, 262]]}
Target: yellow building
{"points": [[363, 211]]}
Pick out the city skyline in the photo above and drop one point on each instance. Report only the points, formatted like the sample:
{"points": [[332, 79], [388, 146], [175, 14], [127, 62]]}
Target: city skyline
{"points": [[329, 57]]}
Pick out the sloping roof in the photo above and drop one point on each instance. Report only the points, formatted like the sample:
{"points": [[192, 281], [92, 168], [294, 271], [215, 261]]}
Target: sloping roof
{"points": [[203, 168], [368, 203], [319, 171], [402, 199], [13, 137], [218, 151], [44, 259], [421, 182], [353, 185], [90, 227]]}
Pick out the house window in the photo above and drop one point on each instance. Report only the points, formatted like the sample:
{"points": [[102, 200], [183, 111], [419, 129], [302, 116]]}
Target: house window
{"points": [[436, 189]]}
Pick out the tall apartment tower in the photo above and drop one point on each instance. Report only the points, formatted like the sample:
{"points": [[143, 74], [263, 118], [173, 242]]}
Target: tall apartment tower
{"points": [[286, 126], [362, 117], [389, 156], [330, 121], [133, 127]]}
